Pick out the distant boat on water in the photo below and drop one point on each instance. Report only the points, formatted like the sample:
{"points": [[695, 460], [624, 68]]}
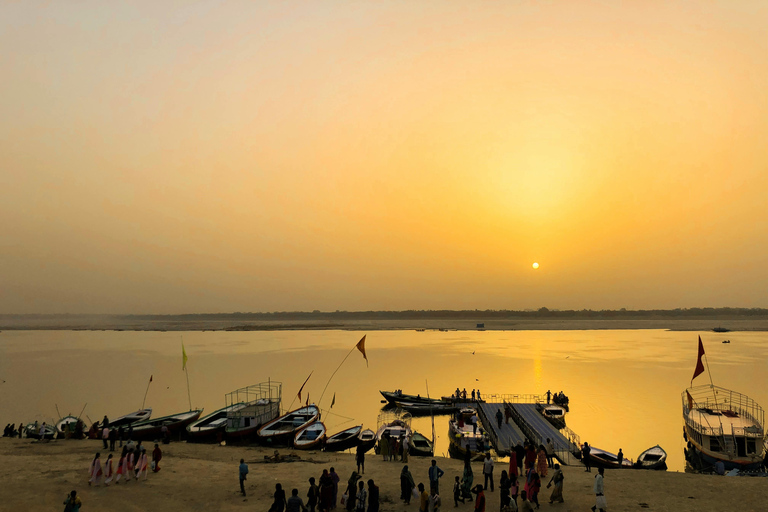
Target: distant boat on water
{"points": [[398, 396], [720, 329]]}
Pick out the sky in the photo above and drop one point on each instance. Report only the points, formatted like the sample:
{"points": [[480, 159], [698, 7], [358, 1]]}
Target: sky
{"points": [[188, 157]]}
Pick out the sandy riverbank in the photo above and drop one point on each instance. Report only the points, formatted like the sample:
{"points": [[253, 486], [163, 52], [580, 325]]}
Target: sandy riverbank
{"points": [[37, 476]]}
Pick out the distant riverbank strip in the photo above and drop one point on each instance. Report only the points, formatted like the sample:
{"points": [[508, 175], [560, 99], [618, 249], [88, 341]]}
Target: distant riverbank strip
{"points": [[695, 319]]}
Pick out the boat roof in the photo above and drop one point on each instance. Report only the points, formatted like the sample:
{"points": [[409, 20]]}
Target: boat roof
{"points": [[728, 419]]}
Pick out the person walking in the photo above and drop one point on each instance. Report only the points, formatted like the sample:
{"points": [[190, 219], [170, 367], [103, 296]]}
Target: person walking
{"points": [[433, 504], [520, 456], [335, 479], [278, 505], [467, 479], [109, 471], [406, 485], [499, 418], [72, 503], [514, 490], [157, 455], [360, 459], [362, 496], [585, 457], [312, 495], [557, 479], [620, 458], [373, 497], [542, 461], [487, 471], [406, 447], [457, 492], [294, 503], [550, 453], [473, 419], [243, 471], [535, 488], [384, 447], [105, 437], [434, 475], [599, 489], [326, 491], [95, 472], [423, 498], [504, 489], [142, 465], [352, 490], [480, 499]]}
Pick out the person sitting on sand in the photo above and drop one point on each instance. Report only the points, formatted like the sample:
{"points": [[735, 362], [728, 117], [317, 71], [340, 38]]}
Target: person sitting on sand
{"points": [[72, 503]]}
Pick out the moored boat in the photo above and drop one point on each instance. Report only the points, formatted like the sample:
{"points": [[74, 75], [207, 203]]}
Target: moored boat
{"points": [[209, 427], [555, 414], [366, 440], [394, 423], [721, 425], [652, 458], [262, 405], [425, 409], [345, 439], [310, 437], [394, 396], [601, 458], [133, 417], [153, 428], [284, 428], [68, 425], [463, 438], [41, 431], [420, 446]]}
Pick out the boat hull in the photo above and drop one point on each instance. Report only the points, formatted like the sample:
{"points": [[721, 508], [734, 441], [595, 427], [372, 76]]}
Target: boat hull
{"points": [[343, 440], [283, 429], [420, 446], [300, 443], [393, 398], [366, 440], [153, 429]]}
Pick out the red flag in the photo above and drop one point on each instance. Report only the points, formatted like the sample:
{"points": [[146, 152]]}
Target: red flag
{"points": [[150, 378], [361, 347], [700, 364], [307, 402], [305, 383], [333, 402]]}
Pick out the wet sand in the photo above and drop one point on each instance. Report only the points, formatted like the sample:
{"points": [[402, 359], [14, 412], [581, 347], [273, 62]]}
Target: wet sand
{"points": [[37, 476]]}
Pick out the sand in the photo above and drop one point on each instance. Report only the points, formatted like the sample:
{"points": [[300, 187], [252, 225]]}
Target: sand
{"points": [[37, 476]]}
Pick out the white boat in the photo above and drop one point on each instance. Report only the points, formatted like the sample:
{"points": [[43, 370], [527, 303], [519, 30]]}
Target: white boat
{"points": [[42, 431], [652, 458], [262, 405], [208, 427], [310, 437], [284, 428], [463, 438], [721, 425], [555, 414], [601, 458], [68, 423], [367, 439], [394, 423], [133, 417]]}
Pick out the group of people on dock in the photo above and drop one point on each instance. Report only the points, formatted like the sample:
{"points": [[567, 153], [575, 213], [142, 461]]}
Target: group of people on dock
{"points": [[462, 395], [557, 399]]}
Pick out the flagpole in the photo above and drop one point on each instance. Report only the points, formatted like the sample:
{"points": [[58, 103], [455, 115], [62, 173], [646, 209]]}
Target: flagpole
{"points": [[147, 391], [334, 373], [186, 372]]}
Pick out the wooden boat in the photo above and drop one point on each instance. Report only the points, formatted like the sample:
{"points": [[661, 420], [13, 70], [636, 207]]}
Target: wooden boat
{"points": [[310, 437], [721, 425], [43, 431], [68, 423], [284, 428], [421, 446], [153, 429], [652, 458], [366, 440], [209, 427], [262, 405], [133, 417], [462, 437], [394, 423], [394, 396], [345, 439], [721, 329], [601, 458], [555, 414], [426, 409]]}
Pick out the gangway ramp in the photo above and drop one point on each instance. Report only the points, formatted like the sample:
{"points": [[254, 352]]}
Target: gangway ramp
{"points": [[504, 438], [539, 429]]}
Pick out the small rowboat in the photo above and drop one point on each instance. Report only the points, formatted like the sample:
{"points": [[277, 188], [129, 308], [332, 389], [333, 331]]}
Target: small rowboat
{"points": [[310, 437], [367, 440], [421, 446], [343, 440], [555, 414], [652, 458], [133, 417], [43, 431], [153, 429], [284, 428], [394, 397], [602, 458], [63, 423], [207, 428]]}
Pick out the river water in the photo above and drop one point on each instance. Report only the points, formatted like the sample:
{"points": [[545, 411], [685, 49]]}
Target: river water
{"points": [[624, 385]]}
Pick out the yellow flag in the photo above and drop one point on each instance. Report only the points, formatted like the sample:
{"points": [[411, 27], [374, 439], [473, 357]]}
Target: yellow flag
{"points": [[183, 357]]}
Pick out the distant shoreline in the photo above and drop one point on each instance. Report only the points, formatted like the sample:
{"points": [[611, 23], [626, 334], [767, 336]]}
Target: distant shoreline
{"points": [[676, 320]]}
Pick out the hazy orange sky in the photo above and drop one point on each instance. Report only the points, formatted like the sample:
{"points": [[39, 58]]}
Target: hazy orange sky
{"points": [[167, 157]]}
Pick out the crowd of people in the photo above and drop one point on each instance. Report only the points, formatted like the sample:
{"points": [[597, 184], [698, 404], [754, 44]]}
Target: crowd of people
{"points": [[133, 464]]}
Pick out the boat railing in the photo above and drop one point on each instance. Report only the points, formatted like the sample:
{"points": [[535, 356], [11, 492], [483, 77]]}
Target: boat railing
{"points": [[270, 391], [721, 399]]}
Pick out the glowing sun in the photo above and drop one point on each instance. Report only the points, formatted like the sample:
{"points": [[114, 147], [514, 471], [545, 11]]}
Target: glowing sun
{"points": [[535, 266]]}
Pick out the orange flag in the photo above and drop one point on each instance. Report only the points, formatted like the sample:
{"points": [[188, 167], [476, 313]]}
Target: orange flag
{"points": [[305, 383], [700, 364], [361, 348]]}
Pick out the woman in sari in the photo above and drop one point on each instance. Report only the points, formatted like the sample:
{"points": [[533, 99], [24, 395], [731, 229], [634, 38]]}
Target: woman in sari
{"points": [[406, 485], [466, 481], [557, 479], [326, 491], [352, 490], [542, 462]]}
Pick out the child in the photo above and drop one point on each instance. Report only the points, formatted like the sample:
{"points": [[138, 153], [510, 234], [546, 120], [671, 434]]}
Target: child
{"points": [[457, 492]]}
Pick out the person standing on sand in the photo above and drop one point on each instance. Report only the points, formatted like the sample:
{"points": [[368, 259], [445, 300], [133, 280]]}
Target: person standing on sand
{"points": [[504, 488], [360, 459], [112, 439], [457, 493], [312, 495], [95, 472], [406, 447], [72, 503], [384, 446], [294, 503], [279, 504], [335, 479], [326, 491], [467, 479], [473, 419], [120, 435], [512, 462], [406, 485], [362, 495], [480, 500], [542, 461], [585, 458], [157, 454], [433, 505], [352, 490], [105, 437], [141, 465], [243, 471], [557, 479], [550, 453], [525, 505], [373, 497], [423, 498], [434, 475], [487, 471], [514, 490], [620, 457], [393, 448], [600, 503]]}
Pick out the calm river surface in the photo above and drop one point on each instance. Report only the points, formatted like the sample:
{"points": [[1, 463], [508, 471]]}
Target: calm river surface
{"points": [[624, 385]]}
